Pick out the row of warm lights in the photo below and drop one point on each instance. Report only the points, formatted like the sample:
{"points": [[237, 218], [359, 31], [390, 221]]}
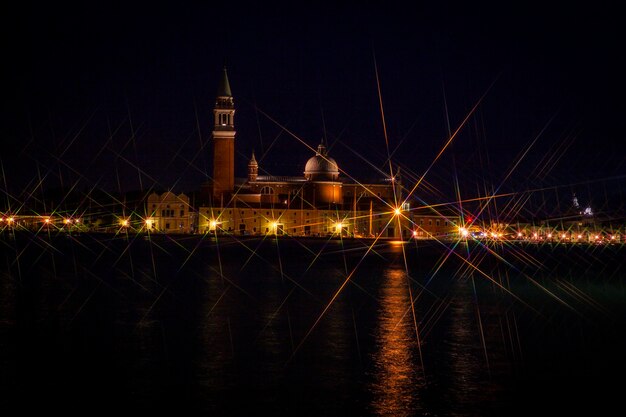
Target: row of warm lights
{"points": [[564, 236], [214, 223], [463, 232], [338, 226], [46, 220]]}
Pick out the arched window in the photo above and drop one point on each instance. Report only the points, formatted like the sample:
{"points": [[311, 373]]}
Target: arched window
{"points": [[267, 190]]}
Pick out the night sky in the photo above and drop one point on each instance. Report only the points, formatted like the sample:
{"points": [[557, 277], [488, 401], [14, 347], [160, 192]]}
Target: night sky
{"points": [[120, 97]]}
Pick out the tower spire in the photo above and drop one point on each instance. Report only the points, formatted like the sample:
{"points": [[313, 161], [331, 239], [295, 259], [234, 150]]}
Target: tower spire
{"points": [[223, 89]]}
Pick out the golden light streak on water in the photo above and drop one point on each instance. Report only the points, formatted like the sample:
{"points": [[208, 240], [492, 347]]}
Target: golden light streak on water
{"points": [[395, 375]]}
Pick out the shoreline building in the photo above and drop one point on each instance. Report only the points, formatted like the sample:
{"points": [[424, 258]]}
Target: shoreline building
{"points": [[169, 213], [321, 202]]}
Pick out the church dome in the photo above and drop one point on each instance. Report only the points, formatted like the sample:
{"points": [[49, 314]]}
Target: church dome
{"points": [[321, 166]]}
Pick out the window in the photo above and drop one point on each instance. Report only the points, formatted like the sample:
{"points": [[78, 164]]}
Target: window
{"points": [[437, 222], [182, 213], [267, 190], [430, 222]]}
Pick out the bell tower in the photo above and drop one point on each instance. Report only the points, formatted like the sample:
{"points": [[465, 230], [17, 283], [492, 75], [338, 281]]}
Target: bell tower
{"points": [[253, 169], [223, 142]]}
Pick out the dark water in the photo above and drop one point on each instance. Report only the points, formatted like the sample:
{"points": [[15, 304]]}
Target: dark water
{"points": [[91, 325]]}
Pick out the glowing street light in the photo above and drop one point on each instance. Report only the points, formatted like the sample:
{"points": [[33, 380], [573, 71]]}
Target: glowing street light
{"points": [[464, 232], [397, 211], [124, 223]]}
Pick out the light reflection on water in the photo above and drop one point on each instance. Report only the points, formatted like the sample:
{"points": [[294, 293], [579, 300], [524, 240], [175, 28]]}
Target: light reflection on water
{"points": [[397, 379], [142, 330]]}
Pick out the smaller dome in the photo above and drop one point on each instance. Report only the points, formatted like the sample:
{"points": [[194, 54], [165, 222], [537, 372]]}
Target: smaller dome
{"points": [[321, 166]]}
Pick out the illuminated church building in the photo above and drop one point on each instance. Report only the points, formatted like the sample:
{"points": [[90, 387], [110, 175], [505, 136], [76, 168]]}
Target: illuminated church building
{"points": [[319, 203]]}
